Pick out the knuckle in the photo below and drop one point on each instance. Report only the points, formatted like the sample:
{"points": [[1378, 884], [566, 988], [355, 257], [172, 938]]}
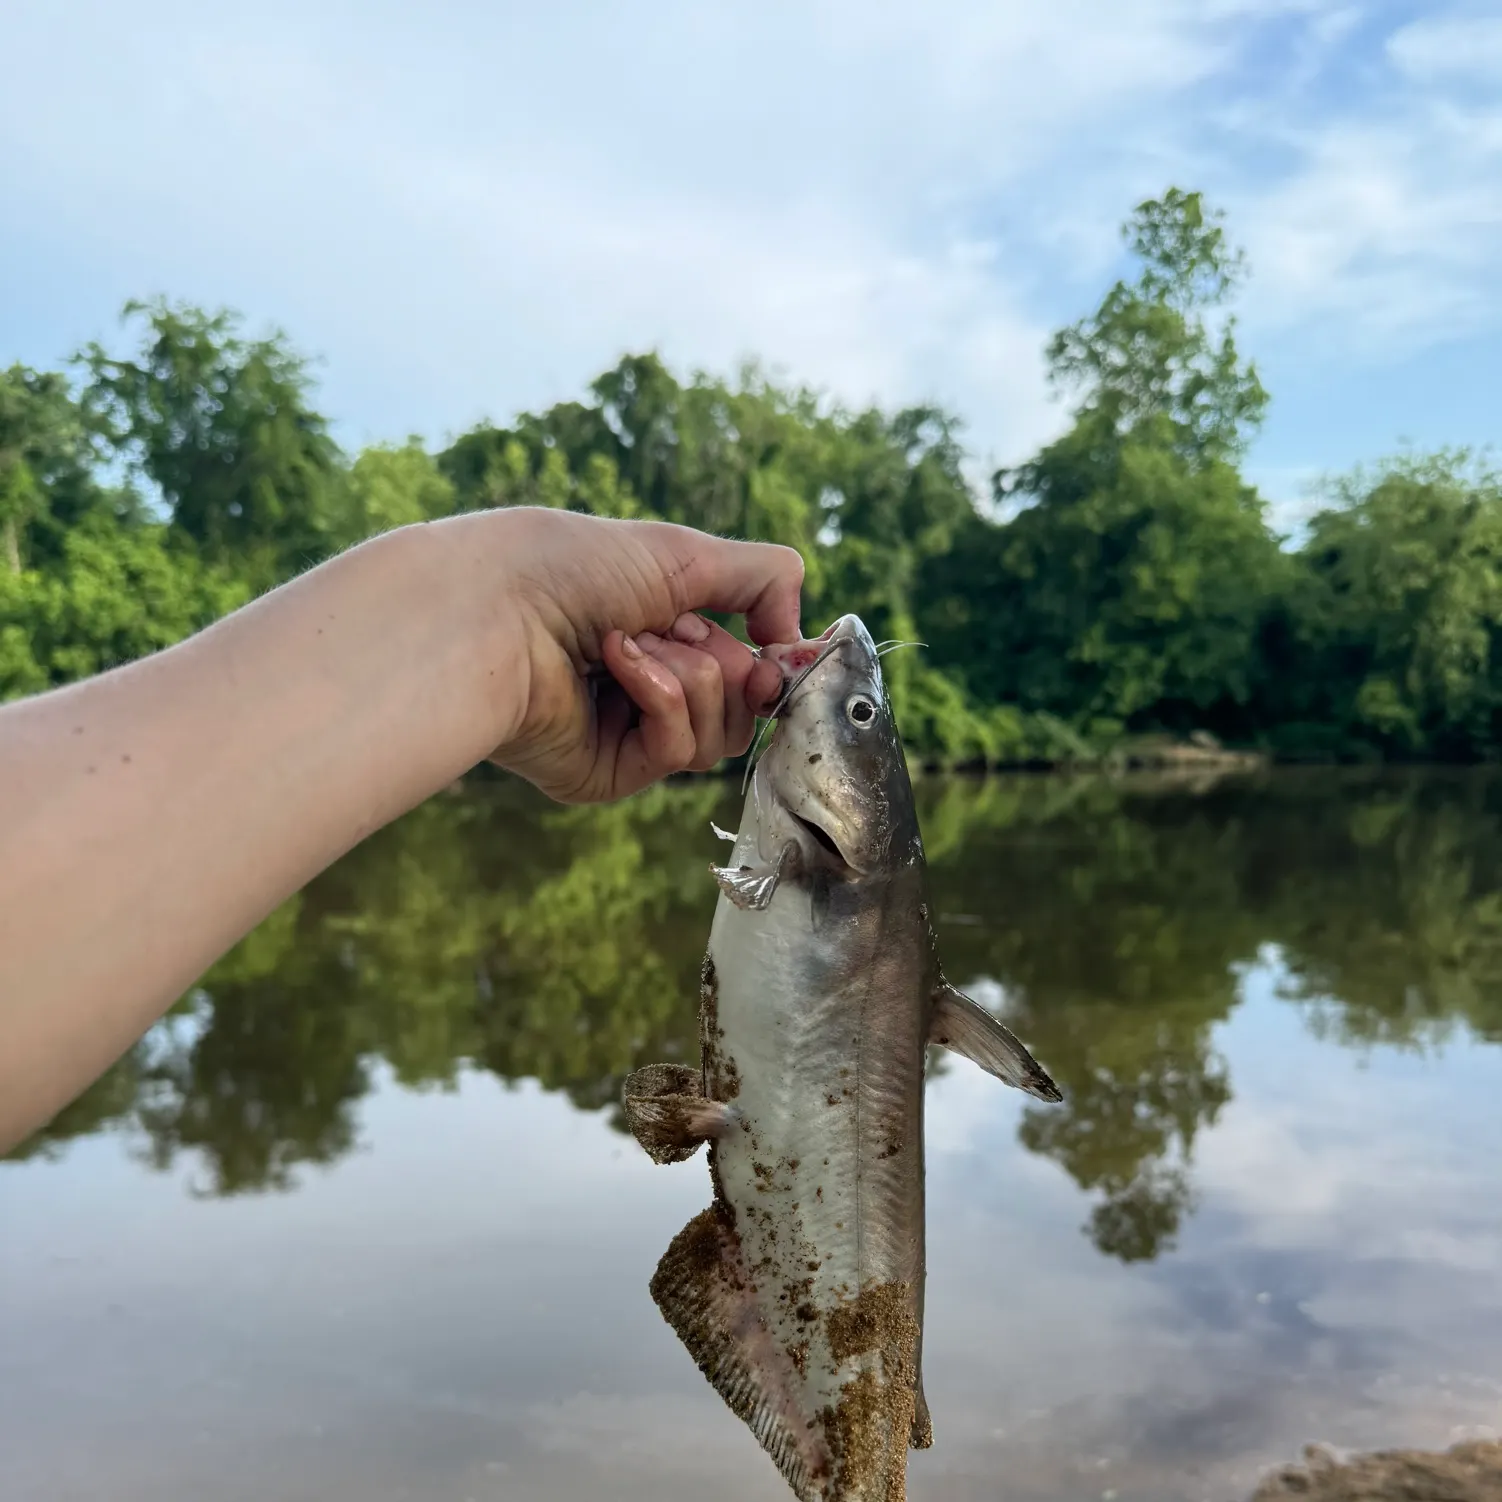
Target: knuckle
{"points": [[735, 662], [708, 752], [701, 674]]}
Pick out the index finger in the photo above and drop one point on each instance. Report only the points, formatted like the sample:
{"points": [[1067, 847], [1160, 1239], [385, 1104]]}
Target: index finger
{"points": [[761, 580]]}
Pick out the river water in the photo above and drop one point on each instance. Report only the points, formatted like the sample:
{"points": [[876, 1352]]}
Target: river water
{"points": [[358, 1222]]}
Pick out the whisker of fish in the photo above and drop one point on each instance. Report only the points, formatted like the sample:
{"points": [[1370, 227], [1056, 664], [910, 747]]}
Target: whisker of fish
{"points": [[882, 648]]}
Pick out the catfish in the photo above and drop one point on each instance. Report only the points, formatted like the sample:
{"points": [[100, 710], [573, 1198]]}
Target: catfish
{"points": [[799, 1291]]}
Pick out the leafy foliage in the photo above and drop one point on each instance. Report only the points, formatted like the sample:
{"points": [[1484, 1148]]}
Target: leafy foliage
{"points": [[48, 458], [222, 428], [1128, 589], [116, 593], [1398, 611], [1131, 593], [1148, 353], [388, 487]]}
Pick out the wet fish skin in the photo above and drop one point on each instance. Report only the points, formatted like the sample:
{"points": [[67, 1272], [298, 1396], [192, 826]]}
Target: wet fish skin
{"points": [[800, 1291]]}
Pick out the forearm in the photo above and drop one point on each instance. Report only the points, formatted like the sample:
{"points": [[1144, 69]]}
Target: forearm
{"points": [[151, 817]]}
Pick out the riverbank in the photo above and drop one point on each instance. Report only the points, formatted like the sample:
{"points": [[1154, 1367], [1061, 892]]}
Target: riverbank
{"points": [[1199, 752], [1467, 1472]]}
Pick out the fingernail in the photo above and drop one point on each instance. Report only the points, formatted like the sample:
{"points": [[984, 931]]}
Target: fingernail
{"points": [[629, 648], [690, 628], [647, 641]]}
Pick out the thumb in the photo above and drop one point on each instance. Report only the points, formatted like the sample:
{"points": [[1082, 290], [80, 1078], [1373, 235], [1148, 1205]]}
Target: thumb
{"points": [[761, 580]]}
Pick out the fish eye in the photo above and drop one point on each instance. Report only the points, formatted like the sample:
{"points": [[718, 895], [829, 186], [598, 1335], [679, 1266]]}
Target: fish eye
{"points": [[860, 709]]}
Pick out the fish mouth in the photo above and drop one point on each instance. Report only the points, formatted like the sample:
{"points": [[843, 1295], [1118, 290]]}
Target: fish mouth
{"points": [[847, 631], [851, 630], [821, 837]]}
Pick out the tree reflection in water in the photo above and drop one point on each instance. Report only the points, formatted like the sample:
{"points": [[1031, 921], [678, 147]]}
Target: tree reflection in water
{"points": [[490, 929]]}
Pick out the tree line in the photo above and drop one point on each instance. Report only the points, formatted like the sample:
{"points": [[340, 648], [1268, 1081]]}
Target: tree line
{"points": [[1125, 582]]}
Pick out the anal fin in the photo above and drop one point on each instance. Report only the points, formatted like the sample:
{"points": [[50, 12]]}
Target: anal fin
{"points": [[969, 1029], [704, 1292]]}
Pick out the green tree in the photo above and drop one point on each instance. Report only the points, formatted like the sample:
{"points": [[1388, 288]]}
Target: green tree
{"points": [[492, 466], [222, 426], [1134, 592], [1148, 354], [20, 495], [117, 593], [47, 468], [740, 459], [1393, 632], [387, 486], [1130, 587], [894, 498]]}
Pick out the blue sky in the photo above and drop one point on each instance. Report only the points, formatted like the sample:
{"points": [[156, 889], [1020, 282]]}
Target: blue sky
{"points": [[468, 208]]}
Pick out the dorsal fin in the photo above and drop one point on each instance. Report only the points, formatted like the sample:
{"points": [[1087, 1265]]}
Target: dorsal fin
{"points": [[703, 1290]]}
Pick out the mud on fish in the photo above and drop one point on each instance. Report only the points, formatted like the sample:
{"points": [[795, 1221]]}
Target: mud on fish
{"points": [[799, 1291]]}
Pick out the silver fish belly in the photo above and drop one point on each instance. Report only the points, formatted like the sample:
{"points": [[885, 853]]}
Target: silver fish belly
{"points": [[799, 1291]]}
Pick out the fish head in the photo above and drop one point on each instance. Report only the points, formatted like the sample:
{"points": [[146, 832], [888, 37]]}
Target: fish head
{"points": [[835, 770]]}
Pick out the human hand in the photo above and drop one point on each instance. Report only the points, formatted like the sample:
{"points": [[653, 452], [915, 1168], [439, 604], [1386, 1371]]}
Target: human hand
{"points": [[681, 694], [290, 730]]}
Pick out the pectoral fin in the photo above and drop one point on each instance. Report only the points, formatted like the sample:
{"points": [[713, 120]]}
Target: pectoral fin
{"points": [[705, 1293], [752, 886], [669, 1114], [969, 1029]]}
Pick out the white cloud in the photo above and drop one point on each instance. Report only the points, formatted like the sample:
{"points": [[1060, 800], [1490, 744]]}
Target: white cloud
{"points": [[1385, 236], [508, 203], [1449, 47], [470, 209], [1300, 1176], [1376, 233]]}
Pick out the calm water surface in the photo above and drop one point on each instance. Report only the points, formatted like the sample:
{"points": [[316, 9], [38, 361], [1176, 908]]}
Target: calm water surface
{"points": [[359, 1223]]}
